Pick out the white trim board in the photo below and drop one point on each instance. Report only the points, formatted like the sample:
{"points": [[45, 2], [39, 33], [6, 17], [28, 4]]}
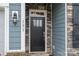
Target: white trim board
{"points": [[23, 27], [4, 4], [6, 27]]}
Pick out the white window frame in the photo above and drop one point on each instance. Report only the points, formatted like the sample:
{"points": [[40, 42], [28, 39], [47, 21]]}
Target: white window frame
{"points": [[22, 30], [45, 15]]}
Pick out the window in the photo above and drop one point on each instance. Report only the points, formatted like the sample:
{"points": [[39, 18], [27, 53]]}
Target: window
{"points": [[37, 23]]}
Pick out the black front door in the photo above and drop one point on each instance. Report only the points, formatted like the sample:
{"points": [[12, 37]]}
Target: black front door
{"points": [[37, 30]]}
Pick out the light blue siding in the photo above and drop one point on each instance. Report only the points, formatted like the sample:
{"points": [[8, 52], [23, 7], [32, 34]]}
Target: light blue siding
{"points": [[58, 22], [14, 30]]}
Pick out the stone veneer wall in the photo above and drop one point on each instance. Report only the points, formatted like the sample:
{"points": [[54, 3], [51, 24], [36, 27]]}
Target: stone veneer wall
{"points": [[39, 7]]}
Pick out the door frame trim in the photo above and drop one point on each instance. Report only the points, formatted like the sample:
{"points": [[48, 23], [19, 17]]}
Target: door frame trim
{"points": [[45, 12], [23, 27], [6, 6]]}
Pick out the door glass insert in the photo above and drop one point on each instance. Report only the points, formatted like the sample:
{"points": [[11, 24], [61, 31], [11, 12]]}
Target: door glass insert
{"points": [[40, 23], [37, 23]]}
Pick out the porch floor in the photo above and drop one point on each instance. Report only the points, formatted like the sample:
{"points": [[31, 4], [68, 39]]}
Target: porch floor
{"points": [[26, 54]]}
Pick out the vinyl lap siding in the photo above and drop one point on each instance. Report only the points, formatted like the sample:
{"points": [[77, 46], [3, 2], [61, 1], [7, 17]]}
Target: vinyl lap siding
{"points": [[58, 23], [15, 30]]}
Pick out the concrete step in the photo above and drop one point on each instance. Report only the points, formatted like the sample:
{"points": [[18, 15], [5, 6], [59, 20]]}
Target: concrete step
{"points": [[26, 54]]}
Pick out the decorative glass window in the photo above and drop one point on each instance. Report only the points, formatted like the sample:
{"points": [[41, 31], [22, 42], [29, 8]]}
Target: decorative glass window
{"points": [[37, 23], [37, 13], [40, 23]]}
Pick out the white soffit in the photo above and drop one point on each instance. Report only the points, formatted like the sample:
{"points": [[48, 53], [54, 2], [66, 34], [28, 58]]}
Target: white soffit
{"points": [[4, 4]]}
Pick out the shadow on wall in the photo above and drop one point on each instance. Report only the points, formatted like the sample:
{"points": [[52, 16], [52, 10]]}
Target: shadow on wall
{"points": [[58, 27]]}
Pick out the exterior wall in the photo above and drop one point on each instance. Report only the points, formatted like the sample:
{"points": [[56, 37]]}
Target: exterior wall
{"points": [[2, 29], [58, 27], [39, 7], [71, 51], [14, 30], [58, 12], [17, 29]]}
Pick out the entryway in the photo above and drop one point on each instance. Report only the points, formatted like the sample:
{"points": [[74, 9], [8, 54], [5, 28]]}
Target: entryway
{"points": [[37, 30]]}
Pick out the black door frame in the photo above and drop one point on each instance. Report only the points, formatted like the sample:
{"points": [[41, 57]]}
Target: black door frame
{"points": [[36, 15]]}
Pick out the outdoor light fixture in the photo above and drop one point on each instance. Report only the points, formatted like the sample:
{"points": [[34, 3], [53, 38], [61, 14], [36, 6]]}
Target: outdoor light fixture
{"points": [[15, 16]]}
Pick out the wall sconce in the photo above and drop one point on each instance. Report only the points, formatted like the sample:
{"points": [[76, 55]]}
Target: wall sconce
{"points": [[15, 16]]}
